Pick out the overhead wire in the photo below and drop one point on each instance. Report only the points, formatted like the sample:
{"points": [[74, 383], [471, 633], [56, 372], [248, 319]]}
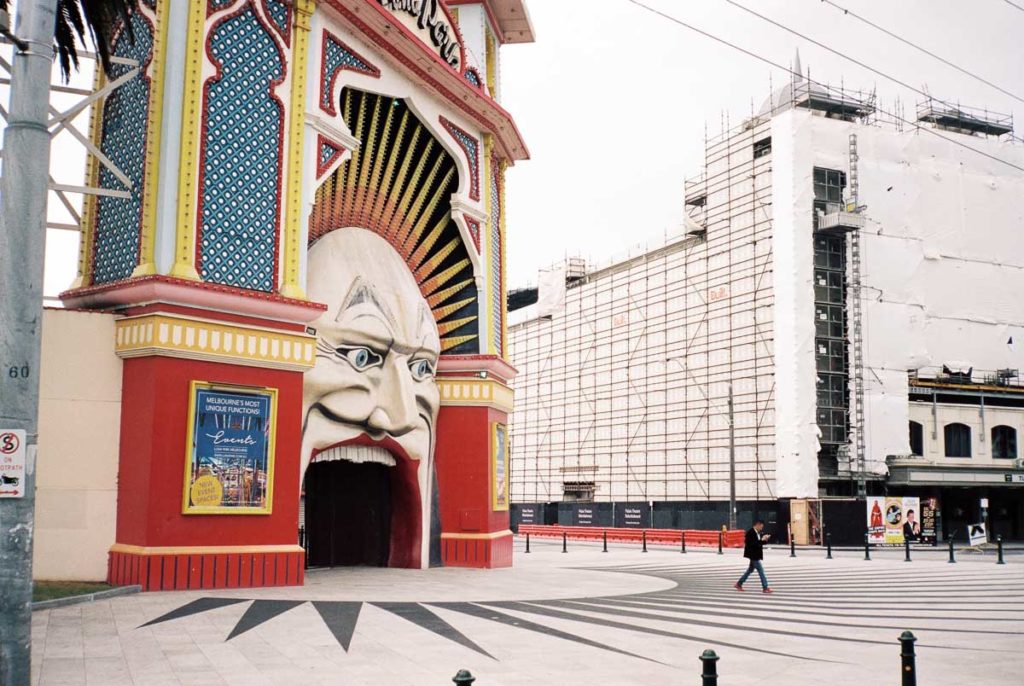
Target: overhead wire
{"points": [[924, 50], [1014, 5], [788, 70]]}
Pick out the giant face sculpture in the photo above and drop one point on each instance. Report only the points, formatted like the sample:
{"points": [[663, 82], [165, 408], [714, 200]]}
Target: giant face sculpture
{"points": [[371, 396]]}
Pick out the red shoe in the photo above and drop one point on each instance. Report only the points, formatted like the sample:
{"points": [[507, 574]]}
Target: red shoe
{"points": [[767, 590], [738, 587]]}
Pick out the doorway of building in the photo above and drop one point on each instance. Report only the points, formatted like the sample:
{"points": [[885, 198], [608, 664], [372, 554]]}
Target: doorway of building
{"points": [[348, 514]]}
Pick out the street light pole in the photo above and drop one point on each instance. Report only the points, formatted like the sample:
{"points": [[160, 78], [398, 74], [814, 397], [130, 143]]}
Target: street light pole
{"points": [[23, 189], [732, 464]]}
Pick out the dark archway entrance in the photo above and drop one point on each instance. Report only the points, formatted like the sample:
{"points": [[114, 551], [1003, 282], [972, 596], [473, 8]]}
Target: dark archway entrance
{"points": [[348, 513]]}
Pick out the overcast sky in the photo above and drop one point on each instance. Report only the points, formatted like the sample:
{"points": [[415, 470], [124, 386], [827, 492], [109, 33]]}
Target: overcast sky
{"points": [[613, 102]]}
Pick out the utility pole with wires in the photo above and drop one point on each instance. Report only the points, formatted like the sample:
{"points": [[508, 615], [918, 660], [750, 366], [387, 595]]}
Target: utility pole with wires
{"points": [[23, 191]]}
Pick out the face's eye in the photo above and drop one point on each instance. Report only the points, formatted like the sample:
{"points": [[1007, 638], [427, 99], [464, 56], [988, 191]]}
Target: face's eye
{"points": [[360, 358], [421, 369]]}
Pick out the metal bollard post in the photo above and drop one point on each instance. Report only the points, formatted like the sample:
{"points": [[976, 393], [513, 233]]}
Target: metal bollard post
{"points": [[564, 542], [605, 539], [682, 539], [644, 534], [907, 654], [906, 545], [999, 551], [951, 558], [527, 542], [719, 542], [828, 543], [463, 677], [867, 547], [709, 674], [792, 547]]}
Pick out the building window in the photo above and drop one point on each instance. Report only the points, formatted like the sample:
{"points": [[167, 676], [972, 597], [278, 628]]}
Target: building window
{"points": [[1004, 442], [916, 438], [762, 147], [958, 440]]}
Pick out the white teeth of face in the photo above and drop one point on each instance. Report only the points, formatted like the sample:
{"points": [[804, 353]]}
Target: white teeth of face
{"points": [[357, 454]]}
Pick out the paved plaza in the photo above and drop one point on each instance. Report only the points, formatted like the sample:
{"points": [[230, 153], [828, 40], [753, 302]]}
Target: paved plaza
{"points": [[579, 618]]}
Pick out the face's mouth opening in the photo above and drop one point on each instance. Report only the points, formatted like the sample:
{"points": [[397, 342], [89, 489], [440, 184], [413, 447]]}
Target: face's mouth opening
{"points": [[406, 500]]}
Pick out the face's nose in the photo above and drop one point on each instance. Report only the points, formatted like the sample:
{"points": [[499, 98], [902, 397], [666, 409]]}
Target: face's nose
{"points": [[395, 408]]}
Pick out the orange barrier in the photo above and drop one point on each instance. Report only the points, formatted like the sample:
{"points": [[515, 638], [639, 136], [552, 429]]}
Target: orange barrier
{"points": [[694, 537]]}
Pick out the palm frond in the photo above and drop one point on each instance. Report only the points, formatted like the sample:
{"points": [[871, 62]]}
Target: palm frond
{"points": [[101, 18]]}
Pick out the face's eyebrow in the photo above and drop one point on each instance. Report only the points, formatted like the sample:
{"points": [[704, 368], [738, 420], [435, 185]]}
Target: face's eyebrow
{"points": [[363, 292]]}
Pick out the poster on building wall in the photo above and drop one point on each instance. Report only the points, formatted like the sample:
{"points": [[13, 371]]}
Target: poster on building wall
{"points": [[499, 467], [929, 522], [230, 460], [894, 520]]}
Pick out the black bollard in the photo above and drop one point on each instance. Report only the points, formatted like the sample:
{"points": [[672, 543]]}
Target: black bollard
{"points": [[709, 674], [906, 545], [951, 558], [792, 547], [907, 654], [867, 547], [644, 534], [719, 542], [682, 541], [463, 677], [828, 543], [605, 539], [564, 543], [527, 542], [999, 551]]}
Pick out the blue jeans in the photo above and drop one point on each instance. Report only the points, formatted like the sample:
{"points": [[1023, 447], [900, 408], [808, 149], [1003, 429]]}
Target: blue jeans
{"points": [[754, 564]]}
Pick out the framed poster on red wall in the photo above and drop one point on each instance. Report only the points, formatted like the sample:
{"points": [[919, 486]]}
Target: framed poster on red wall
{"points": [[499, 467]]}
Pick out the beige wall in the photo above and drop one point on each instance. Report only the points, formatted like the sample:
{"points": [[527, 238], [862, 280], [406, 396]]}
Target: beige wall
{"points": [[79, 430], [981, 434]]}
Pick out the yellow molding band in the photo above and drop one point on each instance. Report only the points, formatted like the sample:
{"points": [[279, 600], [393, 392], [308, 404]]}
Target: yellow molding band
{"points": [[502, 166], [293, 219], [470, 392], [185, 232], [488, 261], [92, 175], [151, 181], [479, 537], [198, 339], [203, 549]]}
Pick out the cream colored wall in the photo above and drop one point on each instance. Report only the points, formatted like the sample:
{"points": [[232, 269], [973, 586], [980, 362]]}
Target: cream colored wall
{"points": [[79, 430], [981, 435]]}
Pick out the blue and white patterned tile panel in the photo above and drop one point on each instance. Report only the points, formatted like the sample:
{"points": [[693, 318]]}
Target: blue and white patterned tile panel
{"points": [[338, 57], [241, 165], [471, 147], [125, 116], [279, 12]]}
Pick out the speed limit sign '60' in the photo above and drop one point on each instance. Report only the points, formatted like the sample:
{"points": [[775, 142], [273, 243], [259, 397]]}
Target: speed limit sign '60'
{"points": [[12, 463]]}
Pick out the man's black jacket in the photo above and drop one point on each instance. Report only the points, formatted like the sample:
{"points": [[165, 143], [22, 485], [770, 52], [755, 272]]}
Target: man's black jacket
{"points": [[753, 549]]}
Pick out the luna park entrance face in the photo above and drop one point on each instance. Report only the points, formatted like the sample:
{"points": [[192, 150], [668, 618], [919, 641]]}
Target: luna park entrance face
{"points": [[348, 514]]}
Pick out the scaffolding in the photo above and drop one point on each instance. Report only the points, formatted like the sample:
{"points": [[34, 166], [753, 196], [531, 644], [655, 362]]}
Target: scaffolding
{"points": [[623, 395]]}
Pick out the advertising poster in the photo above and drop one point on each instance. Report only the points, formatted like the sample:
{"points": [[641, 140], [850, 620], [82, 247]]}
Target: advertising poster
{"points": [[929, 522], [499, 468], [229, 468], [893, 520]]}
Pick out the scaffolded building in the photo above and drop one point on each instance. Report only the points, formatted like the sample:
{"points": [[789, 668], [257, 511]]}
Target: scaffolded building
{"points": [[762, 354]]}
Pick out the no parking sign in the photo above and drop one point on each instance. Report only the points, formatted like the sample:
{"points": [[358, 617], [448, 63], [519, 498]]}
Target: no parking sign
{"points": [[12, 463]]}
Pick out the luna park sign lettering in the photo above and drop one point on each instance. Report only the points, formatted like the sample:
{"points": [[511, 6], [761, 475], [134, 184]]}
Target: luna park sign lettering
{"points": [[429, 17]]}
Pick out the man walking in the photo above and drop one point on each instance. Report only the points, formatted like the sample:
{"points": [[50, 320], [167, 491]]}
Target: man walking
{"points": [[753, 550]]}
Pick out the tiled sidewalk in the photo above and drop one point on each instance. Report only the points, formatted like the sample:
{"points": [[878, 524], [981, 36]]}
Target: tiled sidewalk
{"points": [[578, 618]]}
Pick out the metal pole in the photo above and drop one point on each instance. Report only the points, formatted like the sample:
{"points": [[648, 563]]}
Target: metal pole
{"points": [[527, 542], [732, 465], [909, 670], [828, 542], [719, 542], [604, 539], [682, 541], [792, 547], [951, 558], [565, 549], [23, 189], [906, 545], [867, 547], [644, 534], [709, 662], [463, 677], [999, 551]]}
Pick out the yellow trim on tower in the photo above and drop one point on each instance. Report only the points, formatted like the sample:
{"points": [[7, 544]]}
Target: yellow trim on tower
{"points": [[92, 176], [474, 392], [477, 537], [147, 232], [128, 549], [502, 166], [485, 181], [293, 220], [191, 121]]}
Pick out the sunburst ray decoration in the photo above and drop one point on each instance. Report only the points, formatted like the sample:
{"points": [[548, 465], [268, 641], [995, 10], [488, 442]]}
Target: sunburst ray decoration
{"points": [[398, 184]]}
